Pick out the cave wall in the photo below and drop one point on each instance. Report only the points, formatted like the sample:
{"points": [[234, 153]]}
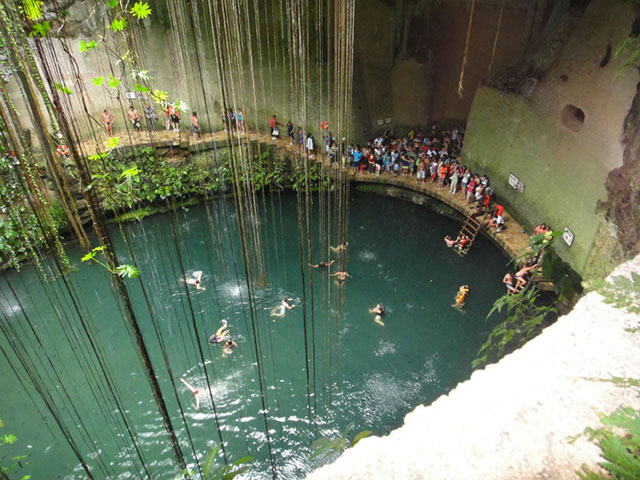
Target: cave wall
{"points": [[411, 52], [562, 161]]}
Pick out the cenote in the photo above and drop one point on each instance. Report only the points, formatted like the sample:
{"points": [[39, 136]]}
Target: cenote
{"points": [[366, 375]]}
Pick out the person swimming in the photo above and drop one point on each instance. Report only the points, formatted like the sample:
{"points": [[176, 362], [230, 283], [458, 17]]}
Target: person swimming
{"points": [[221, 334], [193, 390], [228, 347], [341, 275], [195, 279], [461, 296], [450, 242], [379, 311], [322, 265], [340, 248], [281, 309]]}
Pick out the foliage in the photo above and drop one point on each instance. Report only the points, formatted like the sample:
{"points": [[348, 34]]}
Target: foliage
{"points": [[9, 439], [128, 271], [525, 319], [97, 81], [223, 472], [113, 81], [118, 25], [141, 10], [159, 96], [40, 29], [619, 440], [327, 446], [566, 282], [621, 292], [90, 45], [32, 9], [113, 142], [62, 88]]}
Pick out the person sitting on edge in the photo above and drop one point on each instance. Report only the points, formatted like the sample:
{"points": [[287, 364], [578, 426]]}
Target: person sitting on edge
{"points": [[280, 309], [540, 229], [341, 275], [496, 223], [195, 280], [340, 248], [521, 275], [221, 334], [510, 282], [379, 311], [322, 264]]}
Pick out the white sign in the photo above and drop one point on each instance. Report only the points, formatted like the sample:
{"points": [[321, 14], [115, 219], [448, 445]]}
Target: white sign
{"points": [[567, 236], [515, 183], [130, 95], [387, 120], [380, 122]]}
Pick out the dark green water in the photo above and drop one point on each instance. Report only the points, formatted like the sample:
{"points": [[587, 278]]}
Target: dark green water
{"points": [[377, 374]]}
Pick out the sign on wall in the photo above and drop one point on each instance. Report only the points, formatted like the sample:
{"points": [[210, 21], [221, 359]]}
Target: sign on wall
{"points": [[567, 236], [130, 95], [515, 183], [380, 122], [387, 120]]}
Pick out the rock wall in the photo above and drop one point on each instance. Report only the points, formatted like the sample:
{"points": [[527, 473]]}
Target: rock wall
{"points": [[562, 136], [515, 419]]}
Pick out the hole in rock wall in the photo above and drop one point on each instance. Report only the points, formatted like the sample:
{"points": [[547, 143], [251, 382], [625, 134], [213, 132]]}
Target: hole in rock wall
{"points": [[572, 117]]}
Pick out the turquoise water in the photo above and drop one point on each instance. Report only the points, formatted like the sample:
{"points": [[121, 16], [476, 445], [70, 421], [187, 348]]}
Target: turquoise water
{"points": [[365, 374]]}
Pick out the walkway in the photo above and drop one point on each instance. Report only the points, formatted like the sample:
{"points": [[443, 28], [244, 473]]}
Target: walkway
{"points": [[510, 239]]}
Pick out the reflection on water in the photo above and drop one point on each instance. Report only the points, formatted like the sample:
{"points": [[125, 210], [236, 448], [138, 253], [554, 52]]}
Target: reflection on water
{"points": [[362, 373]]}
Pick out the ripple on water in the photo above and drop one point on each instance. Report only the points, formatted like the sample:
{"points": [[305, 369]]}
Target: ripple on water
{"points": [[385, 348], [367, 256]]}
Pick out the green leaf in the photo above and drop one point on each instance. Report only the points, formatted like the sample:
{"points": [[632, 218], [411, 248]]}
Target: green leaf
{"points": [[159, 95], [64, 89], [97, 81], [141, 10], [32, 9], [113, 81], [208, 463], [93, 253], [235, 473], [360, 436], [113, 142], [130, 172], [141, 88], [118, 24], [97, 156], [90, 45], [128, 271], [41, 29], [9, 439], [112, 3]]}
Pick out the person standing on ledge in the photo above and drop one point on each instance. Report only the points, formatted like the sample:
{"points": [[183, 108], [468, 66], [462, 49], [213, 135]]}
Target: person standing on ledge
{"points": [[134, 116], [195, 126], [273, 123], [240, 120], [151, 116], [107, 120]]}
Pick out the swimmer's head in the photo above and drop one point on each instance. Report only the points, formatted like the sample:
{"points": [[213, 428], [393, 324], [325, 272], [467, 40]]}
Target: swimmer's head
{"points": [[285, 299]]}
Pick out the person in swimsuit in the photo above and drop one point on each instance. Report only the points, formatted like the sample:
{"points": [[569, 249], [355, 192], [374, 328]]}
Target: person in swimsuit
{"points": [[195, 280], [509, 282], [107, 120], [228, 347], [221, 334], [322, 265], [379, 311], [521, 274], [281, 309], [134, 117], [450, 242], [340, 248], [195, 126], [193, 390], [461, 296], [341, 275]]}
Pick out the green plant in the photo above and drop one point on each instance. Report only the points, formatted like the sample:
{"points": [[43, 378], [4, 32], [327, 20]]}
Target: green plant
{"points": [[124, 270], [9, 439], [526, 318], [621, 292], [327, 446], [223, 472], [619, 439]]}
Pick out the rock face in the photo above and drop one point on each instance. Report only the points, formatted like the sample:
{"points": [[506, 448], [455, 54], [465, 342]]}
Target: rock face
{"points": [[515, 419]]}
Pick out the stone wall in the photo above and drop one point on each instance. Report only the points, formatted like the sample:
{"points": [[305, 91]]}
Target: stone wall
{"points": [[563, 137], [515, 419]]}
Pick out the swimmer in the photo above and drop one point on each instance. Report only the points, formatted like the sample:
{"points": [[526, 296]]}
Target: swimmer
{"points": [[322, 265], [195, 280], [228, 347], [341, 275], [461, 296], [340, 248], [521, 281], [221, 334], [379, 311], [450, 242], [281, 309], [194, 390]]}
